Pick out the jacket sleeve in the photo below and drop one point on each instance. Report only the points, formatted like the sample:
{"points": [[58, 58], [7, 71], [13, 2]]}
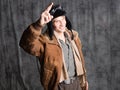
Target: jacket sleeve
{"points": [[31, 39], [83, 78]]}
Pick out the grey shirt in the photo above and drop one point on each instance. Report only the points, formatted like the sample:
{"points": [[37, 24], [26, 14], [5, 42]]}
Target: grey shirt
{"points": [[68, 57]]}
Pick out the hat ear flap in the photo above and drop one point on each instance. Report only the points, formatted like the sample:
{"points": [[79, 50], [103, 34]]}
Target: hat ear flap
{"points": [[50, 29], [68, 23], [69, 26]]}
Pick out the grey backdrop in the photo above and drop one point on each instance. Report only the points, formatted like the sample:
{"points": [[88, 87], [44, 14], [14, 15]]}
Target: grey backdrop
{"points": [[98, 25]]}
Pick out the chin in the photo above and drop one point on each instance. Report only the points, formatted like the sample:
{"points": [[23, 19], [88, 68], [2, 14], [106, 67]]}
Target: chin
{"points": [[62, 30]]}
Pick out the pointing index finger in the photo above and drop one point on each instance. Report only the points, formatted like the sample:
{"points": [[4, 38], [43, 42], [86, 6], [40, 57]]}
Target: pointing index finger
{"points": [[49, 7]]}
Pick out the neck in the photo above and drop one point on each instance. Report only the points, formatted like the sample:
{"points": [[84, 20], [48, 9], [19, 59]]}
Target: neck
{"points": [[60, 35]]}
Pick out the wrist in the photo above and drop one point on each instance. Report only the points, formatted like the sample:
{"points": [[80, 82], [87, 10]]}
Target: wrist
{"points": [[37, 25], [40, 24]]}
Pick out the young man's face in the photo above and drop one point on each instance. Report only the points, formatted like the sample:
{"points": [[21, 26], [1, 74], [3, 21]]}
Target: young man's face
{"points": [[59, 24]]}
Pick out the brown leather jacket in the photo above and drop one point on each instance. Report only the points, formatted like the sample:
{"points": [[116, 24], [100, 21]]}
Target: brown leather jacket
{"points": [[49, 53]]}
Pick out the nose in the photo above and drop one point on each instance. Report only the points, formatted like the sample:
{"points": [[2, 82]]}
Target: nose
{"points": [[62, 23]]}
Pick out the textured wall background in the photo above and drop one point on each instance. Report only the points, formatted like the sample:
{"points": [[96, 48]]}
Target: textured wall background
{"points": [[98, 24]]}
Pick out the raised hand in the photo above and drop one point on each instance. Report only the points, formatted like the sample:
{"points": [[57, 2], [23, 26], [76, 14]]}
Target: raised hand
{"points": [[45, 16]]}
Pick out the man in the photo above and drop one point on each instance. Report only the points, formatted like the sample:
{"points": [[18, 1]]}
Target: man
{"points": [[58, 49]]}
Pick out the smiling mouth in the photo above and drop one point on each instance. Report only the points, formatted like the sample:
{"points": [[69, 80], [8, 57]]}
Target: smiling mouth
{"points": [[62, 26]]}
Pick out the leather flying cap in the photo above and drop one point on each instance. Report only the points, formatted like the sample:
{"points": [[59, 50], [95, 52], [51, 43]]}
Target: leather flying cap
{"points": [[57, 11]]}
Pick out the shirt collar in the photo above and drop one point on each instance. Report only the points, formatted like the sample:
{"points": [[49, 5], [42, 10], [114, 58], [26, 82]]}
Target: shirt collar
{"points": [[66, 34]]}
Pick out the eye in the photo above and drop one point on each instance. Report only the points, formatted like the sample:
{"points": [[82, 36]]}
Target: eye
{"points": [[56, 21]]}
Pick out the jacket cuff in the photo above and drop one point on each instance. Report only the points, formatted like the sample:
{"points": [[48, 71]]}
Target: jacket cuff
{"points": [[37, 25]]}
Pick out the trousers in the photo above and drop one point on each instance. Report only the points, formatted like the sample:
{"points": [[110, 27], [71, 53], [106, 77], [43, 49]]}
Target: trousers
{"points": [[75, 85]]}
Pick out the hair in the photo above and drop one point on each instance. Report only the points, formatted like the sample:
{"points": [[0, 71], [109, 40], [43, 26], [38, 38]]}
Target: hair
{"points": [[57, 11]]}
